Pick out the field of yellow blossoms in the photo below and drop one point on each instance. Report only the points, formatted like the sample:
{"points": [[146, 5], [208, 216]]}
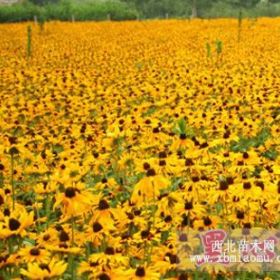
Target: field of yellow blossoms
{"points": [[114, 136]]}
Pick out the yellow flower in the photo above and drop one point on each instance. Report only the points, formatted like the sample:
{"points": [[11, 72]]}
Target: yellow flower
{"points": [[97, 230], [40, 271], [148, 188], [34, 254], [16, 223], [74, 201], [143, 272]]}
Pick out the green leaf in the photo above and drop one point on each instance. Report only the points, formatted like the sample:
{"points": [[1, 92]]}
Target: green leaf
{"points": [[151, 110], [244, 144], [208, 48], [276, 112], [215, 149], [219, 207], [182, 126], [57, 148], [29, 242], [164, 236], [271, 154], [262, 136]]}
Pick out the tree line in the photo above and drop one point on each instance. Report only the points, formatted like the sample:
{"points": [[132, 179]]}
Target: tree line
{"points": [[82, 10]]}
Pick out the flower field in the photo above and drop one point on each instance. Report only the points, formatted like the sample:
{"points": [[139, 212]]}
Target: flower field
{"points": [[114, 136]]}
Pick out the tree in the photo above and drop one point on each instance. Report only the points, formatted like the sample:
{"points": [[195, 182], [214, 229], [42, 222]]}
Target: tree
{"points": [[43, 2], [194, 8], [200, 5]]}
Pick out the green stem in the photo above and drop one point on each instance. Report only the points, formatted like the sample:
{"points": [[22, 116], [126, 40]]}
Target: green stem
{"points": [[72, 267], [71, 260], [12, 180], [47, 210], [10, 246], [196, 275], [73, 229], [29, 42]]}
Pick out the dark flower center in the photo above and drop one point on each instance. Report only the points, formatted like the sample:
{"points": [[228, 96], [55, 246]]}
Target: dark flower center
{"points": [[145, 233], [246, 185], [46, 237], [63, 237], [7, 212], [58, 227], [137, 212], [93, 264], [151, 172], [230, 180], [260, 184], [235, 199], [223, 185], [140, 272], [183, 277], [97, 227], [130, 216], [173, 259], [34, 252], [4, 258], [189, 162], [188, 205], [96, 155], [146, 166], [162, 155], [14, 224], [245, 155], [207, 221], [14, 151], [70, 192], [183, 136], [103, 205], [104, 180], [44, 267], [168, 219], [63, 245], [104, 276], [110, 251], [240, 215], [195, 179], [204, 145]]}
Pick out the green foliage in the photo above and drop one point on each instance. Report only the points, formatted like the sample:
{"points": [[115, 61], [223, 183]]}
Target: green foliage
{"points": [[240, 17], [132, 9], [65, 9], [219, 47], [29, 41], [175, 8], [271, 154], [18, 12], [182, 126], [245, 143], [208, 48], [43, 2]]}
